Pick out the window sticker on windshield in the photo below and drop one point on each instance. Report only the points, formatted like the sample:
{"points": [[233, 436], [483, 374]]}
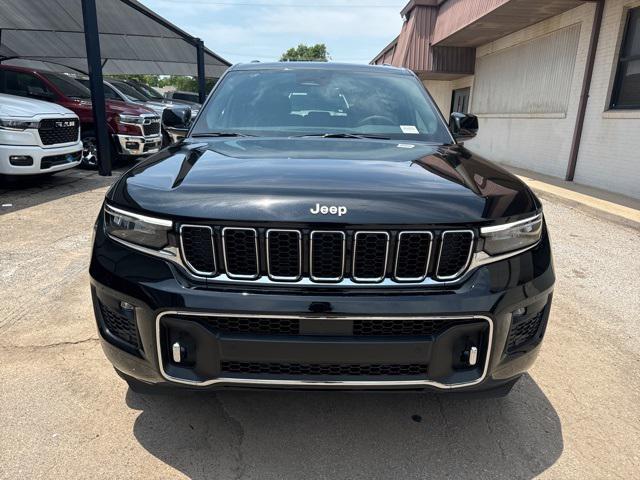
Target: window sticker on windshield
{"points": [[405, 145], [409, 129]]}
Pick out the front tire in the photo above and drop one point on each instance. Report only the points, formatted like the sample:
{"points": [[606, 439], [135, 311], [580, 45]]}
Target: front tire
{"points": [[90, 151]]}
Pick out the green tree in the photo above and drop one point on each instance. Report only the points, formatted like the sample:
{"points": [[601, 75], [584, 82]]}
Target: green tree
{"points": [[151, 80], [305, 53]]}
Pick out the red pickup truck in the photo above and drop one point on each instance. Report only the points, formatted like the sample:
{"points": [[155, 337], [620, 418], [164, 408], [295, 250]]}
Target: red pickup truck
{"points": [[134, 130]]}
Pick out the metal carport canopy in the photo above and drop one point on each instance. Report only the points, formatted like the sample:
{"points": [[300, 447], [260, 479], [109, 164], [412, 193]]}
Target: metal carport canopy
{"points": [[96, 37], [133, 39]]}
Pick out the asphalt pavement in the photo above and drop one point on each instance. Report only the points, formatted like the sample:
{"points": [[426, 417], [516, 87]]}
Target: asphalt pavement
{"points": [[65, 414]]}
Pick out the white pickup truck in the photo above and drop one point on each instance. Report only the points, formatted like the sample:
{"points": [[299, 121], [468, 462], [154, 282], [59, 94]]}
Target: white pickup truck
{"points": [[37, 137]]}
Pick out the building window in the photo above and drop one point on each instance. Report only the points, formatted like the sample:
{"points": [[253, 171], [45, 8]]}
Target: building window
{"points": [[626, 89]]}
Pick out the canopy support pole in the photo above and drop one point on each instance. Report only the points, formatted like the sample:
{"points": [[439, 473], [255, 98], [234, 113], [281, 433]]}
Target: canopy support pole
{"points": [[92, 41], [202, 81]]}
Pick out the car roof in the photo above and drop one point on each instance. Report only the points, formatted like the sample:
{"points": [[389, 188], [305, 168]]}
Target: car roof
{"points": [[351, 67]]}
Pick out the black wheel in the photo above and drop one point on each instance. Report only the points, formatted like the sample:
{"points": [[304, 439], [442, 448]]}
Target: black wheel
{"points": [[89, 150]]}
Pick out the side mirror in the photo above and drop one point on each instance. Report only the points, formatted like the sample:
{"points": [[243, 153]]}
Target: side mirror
{"points": [[463, 126], [176, 117]]}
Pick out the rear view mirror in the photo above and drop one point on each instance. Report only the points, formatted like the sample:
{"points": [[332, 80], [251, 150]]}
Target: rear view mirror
{"points": [[463, 126]]}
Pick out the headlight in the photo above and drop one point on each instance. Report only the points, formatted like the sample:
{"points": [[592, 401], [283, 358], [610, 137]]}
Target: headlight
{"points": [[10, 124], [137, 229], [512, 236], [130, 119]]}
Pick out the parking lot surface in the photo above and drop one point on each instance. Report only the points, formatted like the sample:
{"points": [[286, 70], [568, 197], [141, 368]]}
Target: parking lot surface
{"points": [[65, 413]]}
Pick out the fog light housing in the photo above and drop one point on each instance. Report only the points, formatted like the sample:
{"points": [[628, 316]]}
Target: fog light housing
{"points": [[132, 145], [21, 160]]}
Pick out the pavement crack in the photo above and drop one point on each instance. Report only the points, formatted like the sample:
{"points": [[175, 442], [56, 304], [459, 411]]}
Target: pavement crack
{"points": [[47, 345], [238, 455]]}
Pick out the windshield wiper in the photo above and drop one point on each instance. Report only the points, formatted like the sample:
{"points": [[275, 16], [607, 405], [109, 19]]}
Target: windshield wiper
{"points": [[344, 135], [222, 134]]}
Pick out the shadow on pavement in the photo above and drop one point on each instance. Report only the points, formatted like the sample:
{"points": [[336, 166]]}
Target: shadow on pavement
{"points": [[294, 435], [17, 193]]}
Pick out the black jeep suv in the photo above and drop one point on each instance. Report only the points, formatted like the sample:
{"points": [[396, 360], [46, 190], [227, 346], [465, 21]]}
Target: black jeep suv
{"points": [[321, 227]]}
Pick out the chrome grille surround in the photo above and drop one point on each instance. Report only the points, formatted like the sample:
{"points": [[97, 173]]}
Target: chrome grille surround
{"points": [[284, 278], [355, 257], [213, 248], [426, 269], [469, 256], [344, 253], [226, 255], [351, 265]]}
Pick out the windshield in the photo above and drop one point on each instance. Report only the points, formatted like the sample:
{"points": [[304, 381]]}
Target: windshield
{"points": [[146, 90], [190, 97], [130, 92], [68, 86], [318, 101]]}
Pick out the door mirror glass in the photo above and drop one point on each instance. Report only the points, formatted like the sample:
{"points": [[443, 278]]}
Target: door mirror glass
{"points": [[463, 126]]}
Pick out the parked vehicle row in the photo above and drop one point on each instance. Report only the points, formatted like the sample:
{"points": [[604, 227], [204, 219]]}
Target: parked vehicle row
{"points": [[125, 91], [134, 120]]}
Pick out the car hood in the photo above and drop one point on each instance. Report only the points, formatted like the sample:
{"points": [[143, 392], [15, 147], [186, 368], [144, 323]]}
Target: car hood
{"points": [[116, 106], [284, 179], [14, 106]]}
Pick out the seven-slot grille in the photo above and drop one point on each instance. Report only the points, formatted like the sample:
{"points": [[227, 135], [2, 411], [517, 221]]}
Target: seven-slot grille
{"points": [[54, 131], [325, 256]]}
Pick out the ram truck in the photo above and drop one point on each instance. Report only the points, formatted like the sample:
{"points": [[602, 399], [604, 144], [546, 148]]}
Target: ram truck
{"points": [[133, 129], [37, 137], [321, 226]]}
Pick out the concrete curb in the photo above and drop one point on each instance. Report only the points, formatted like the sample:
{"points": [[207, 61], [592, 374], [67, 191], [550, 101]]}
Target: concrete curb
{"points": [[615, 211]]}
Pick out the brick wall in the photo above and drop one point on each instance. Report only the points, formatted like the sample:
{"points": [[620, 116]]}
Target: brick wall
{"points": [[609, 155]]}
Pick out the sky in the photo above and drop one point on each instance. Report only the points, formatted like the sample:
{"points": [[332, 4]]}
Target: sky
{"points": [[245, 30]]}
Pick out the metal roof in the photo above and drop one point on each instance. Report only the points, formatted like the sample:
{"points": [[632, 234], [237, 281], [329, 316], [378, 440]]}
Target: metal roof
{"points": [[133, 39]]}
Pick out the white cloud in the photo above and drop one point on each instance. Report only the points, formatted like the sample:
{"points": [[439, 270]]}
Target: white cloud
{"points": [[243, 33]]}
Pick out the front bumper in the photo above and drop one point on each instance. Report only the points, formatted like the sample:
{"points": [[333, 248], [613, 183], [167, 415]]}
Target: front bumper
{"points": [[322, 351], [44, 160], [137, 146]]}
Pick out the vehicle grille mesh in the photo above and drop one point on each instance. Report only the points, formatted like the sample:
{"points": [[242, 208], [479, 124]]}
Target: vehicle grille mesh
{"points": [[151, 128], [400, 328], [294, 326], [321, 369], [251, 325], [370, 257], [241, 252], [197, 247], [326, 256], [523, 331], [55, 160], [413, 255], [52, 132], [455, 252], [120, 326], [284, 254]]}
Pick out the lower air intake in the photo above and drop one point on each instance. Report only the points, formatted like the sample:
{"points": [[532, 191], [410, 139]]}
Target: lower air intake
{"points": [[321, 369], [524, 331], [120, 326]]}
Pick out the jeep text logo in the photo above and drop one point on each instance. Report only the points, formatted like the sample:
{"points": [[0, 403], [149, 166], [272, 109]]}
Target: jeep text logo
{"points": [[329, 210]]}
